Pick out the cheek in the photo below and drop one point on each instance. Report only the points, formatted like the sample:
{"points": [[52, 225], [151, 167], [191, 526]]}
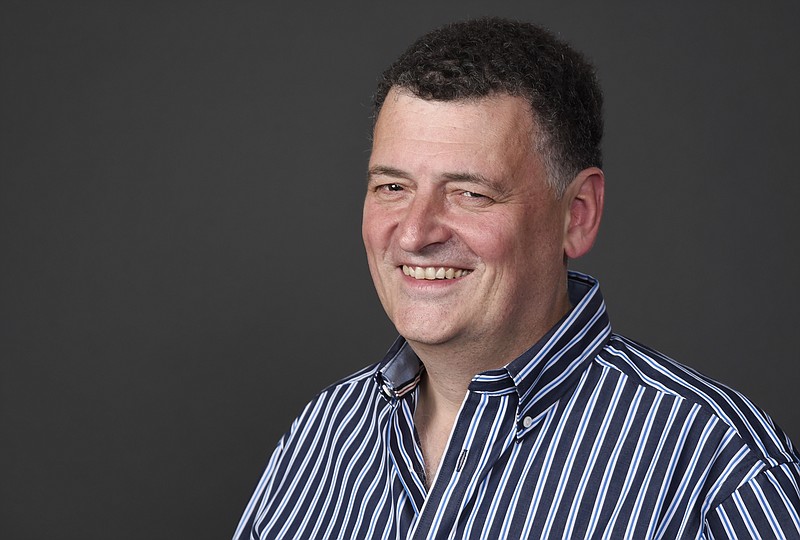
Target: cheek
{"points": [[378, 223], [376, 233], [366, 234], [370, 223], [523, 245], [500, 236], [492, 244]]}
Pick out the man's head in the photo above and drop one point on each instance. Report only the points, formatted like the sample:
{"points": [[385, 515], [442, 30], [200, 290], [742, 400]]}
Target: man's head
{"points": [[466, 238], [482, 57]]}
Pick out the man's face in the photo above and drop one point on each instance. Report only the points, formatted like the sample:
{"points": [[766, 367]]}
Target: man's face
{"points": [[464, 239]]}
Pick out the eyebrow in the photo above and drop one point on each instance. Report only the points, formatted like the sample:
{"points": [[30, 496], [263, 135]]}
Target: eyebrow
{"points": [[476, 178], [382, 170]]}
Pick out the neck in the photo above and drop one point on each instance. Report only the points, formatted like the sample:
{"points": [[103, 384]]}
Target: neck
{"points": [[449, 369], [437, 408], [451, 366]]}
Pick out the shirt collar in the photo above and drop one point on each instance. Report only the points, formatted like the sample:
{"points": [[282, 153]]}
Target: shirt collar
{"points": [[541, 375]]}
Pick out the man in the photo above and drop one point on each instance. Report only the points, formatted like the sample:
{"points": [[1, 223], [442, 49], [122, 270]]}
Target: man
{"points": [[507, 408]]}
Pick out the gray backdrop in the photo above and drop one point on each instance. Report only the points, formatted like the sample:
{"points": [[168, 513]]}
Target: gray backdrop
{"points": [[181, 258]]}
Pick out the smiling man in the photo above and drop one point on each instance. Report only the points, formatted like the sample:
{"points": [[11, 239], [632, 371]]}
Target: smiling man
{"points": [[508, 408], [455, 200]]}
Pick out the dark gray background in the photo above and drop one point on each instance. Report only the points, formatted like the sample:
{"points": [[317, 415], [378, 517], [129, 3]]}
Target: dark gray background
{"points": [[181, 264]]}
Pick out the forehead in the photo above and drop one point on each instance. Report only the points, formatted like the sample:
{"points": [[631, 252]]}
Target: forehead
{"points": [[492, 133], [486, 118]]}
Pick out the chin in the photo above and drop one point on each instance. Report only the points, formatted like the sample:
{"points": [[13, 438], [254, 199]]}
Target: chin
{"points": [[425, 334]]}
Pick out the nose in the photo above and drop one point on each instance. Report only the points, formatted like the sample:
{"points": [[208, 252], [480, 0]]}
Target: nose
{"points": [[423, 223]]}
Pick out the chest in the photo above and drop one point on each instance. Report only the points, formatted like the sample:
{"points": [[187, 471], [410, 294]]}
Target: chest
{"points": [[609, 463], [605, 463]]}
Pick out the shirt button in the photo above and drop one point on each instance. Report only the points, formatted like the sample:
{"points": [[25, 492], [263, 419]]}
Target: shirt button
{"points": [[527, 421]]}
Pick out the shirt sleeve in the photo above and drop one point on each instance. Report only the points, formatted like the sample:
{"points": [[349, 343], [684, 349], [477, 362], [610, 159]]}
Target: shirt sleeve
{"points": [[767, 506]]}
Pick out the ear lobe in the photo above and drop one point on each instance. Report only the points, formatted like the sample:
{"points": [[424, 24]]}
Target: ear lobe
{"points": [[584, 209]]}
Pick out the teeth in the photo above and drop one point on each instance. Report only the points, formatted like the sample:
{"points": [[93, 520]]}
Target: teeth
{"points": [[433, 272]]}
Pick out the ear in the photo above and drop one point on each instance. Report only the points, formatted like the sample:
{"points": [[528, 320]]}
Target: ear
{"points": [[584, 208]]}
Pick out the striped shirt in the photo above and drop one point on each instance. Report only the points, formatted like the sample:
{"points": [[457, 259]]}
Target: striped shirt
{"points": [[586, 435]]}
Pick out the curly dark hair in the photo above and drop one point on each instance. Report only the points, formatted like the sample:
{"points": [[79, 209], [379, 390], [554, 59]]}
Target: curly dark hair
{"points": [[481, 57]]}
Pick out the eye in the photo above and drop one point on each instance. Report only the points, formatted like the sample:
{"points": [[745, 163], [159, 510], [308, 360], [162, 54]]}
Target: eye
{"points": [[390, 191], [389, 187], [472, 199]]}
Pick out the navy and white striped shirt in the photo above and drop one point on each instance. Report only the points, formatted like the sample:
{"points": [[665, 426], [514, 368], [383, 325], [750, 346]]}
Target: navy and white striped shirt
{"points": [[586, 435]]}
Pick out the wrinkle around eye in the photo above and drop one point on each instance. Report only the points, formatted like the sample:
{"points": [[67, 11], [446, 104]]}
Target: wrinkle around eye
{"points": [[473, 199]]}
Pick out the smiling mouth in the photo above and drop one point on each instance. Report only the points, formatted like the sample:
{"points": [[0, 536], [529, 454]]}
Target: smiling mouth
{"points": [[434, 272]]}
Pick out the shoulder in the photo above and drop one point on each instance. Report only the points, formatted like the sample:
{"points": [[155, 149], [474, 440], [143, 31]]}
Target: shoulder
{"points": [[335, 407], [363, 377], [712, 399], [343, 414], [333, 436]]}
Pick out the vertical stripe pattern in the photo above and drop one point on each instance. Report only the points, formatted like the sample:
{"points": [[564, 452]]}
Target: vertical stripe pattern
{"points": [[586, 435]]}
